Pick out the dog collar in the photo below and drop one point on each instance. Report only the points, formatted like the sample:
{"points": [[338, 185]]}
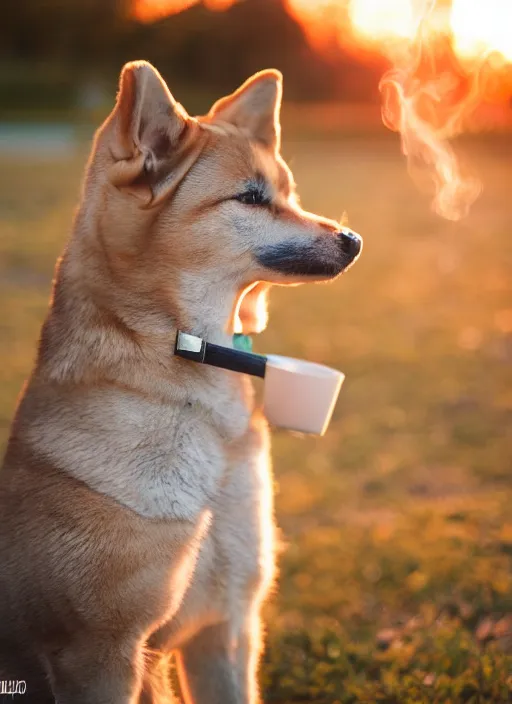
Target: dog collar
{"points": [[238, 359]]}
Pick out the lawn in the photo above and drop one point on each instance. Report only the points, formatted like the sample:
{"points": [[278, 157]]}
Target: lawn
{"points": [[396, 528]]}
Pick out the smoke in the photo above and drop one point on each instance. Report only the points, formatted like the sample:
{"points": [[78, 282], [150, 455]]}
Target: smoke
{"points": [[427, 98]]}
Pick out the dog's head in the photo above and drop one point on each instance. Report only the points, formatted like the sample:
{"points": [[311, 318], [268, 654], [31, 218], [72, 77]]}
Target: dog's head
{"points": [[187, 204]]}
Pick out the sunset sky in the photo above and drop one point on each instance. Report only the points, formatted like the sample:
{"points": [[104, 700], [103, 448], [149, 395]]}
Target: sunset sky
{"points": [[442, 55], [477, 26]]}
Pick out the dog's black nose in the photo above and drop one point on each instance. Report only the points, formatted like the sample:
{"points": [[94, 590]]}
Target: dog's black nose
{"points": [[350, 242]]}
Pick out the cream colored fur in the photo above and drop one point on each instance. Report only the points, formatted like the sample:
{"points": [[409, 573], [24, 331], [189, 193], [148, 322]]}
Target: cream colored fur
{"points": [[136, 513]]}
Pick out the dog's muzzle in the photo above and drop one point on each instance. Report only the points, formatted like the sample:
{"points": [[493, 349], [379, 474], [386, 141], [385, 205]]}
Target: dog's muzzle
{"points": [[323, 256]]}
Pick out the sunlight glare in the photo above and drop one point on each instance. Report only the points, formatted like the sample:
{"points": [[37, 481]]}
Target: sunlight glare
{"points": [[374, 19], [481, 27], [441, 54], [321, 20]]}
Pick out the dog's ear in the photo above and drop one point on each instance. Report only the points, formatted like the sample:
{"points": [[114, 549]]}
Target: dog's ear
{"points": [[150, 136], [256, 106], [252, 312]]}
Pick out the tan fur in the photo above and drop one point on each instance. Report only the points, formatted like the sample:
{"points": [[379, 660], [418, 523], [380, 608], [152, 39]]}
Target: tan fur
{"points": [[136, 513]]}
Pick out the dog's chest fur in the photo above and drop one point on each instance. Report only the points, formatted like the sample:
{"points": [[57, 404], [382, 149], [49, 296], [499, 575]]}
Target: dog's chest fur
{"points": [[205, 454], [163, 460]]}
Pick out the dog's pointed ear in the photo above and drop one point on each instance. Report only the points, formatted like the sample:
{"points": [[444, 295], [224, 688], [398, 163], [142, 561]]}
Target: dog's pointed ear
{"points": [[252, 312], [255, 106], [148, 136]]}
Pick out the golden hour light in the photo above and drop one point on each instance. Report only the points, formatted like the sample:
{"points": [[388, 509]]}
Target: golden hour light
{"points": [[321, 19], [193, 168], [481, 28], [151, 10], [477, 27], [442, 56], [381, 21]]}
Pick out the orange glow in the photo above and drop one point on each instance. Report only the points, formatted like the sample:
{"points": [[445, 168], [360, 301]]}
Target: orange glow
{"points": [[482, 26], [443, 55], [447, 57], [383, 21], [151, 10], [478, 26], [321, 19]]}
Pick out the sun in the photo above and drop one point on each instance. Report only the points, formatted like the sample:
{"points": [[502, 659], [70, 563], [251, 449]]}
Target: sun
{"points": [[477, 27], [383, 20], [482, 27]]}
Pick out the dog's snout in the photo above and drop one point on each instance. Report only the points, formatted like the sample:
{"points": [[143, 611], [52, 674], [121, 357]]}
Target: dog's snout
{"points": [[350, 242]]}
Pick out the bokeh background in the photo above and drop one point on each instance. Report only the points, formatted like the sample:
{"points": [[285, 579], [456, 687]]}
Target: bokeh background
{"points": [[396, 527]]}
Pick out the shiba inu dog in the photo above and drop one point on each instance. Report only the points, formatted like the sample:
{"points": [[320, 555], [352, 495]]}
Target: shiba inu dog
{"points": [[136, 514]]}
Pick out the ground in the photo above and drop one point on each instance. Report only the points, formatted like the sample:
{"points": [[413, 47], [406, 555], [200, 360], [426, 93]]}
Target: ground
{"points": [[396, 530]]}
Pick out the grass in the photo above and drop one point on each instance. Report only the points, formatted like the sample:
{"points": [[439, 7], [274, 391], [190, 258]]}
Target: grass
{"points": [[396, 529]]}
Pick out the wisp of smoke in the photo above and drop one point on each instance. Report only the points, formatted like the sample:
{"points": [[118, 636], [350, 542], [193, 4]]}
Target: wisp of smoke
{"points": [[422, 101]]}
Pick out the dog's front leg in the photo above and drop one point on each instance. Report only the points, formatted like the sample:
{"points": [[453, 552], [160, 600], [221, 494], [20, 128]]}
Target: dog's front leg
{"points": [[212, 671], [247, 658]]}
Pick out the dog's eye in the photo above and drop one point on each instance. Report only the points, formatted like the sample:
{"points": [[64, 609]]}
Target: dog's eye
{"points": [[253, 197]]}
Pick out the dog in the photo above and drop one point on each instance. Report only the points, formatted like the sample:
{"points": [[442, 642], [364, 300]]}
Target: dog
{"points": [[136, 509]]}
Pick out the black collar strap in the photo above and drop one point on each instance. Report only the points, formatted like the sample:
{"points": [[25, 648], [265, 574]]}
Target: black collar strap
{"points": [[198, 350]]}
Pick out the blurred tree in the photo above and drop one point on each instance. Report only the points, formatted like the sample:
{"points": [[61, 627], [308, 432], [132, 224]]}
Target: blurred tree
{"points": [[200, 50], [220, 50], [71, 30]]}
